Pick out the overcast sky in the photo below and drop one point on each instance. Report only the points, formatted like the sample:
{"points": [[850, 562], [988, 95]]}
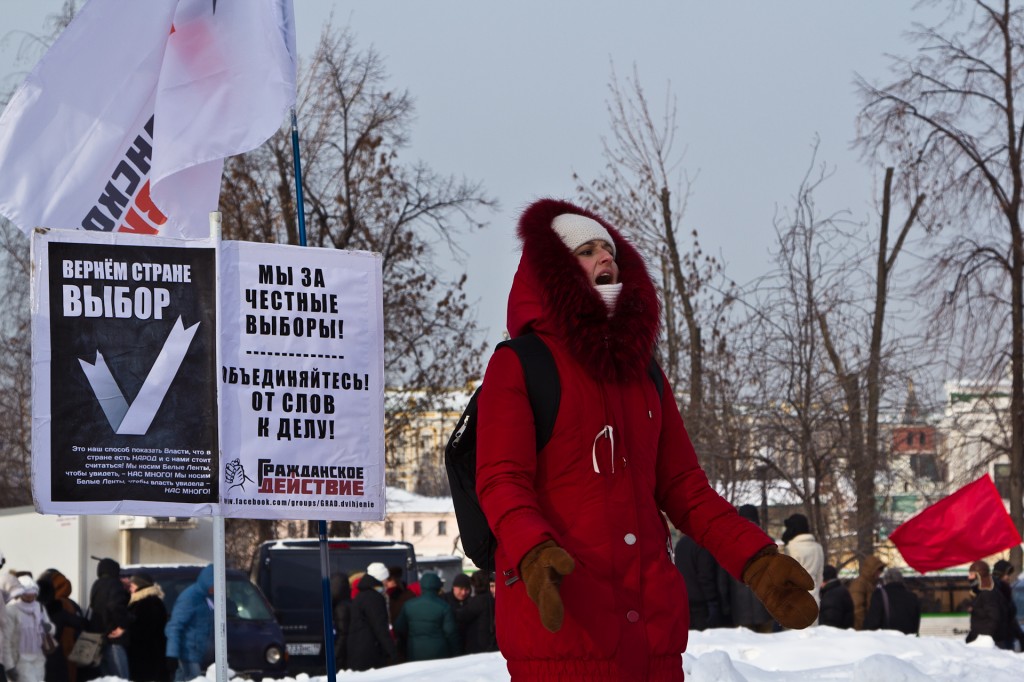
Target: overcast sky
{"points": [[514, 95]]}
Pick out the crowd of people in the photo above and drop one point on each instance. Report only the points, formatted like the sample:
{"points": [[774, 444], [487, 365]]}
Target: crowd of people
{"points": [[876, 599], [41, 624], [379, 621]]}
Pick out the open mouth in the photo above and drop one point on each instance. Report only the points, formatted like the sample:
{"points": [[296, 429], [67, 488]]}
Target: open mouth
{"points": [[604, 278]]}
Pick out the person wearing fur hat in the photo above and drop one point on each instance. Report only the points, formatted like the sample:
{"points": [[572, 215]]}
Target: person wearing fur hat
{"points": [[27, 625], [146, 650], [68, 622], [586, 587], [869, 578], [989, 611], [369, 638]]}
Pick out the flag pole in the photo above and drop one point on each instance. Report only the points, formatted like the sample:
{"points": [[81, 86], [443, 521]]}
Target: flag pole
{"points": [[325, 565], [220, 593], [299, 209]]}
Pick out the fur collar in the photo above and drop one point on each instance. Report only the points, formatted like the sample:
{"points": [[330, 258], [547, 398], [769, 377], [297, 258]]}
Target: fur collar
{"points": [[151, 591], [552, 294]]}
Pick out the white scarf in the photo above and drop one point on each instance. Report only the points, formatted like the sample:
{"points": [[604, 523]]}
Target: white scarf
{"points": [[30, 627], [609, 294]]}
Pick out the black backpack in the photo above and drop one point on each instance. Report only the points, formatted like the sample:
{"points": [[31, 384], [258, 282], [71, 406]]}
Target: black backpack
{"points": [[544, 391]]}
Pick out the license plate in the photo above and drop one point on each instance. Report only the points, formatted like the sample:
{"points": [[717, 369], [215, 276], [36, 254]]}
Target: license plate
{"points": [[303, 649]]}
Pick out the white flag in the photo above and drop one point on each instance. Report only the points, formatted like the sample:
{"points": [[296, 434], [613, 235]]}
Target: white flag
{"points": [[125, 122]]}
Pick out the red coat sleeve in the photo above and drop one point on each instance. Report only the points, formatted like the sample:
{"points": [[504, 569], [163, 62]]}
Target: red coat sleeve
{"points": [[693, 506]]}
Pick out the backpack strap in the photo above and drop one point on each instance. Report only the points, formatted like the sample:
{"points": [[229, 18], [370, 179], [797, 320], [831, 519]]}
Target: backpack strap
{"points": [[542, 384], [654, 371]]}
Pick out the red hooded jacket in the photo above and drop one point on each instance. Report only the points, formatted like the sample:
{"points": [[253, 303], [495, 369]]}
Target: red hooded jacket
{"points": [[599, 497]]}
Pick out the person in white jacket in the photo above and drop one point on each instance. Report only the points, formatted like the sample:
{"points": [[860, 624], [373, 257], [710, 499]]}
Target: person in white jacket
{"points": [[27, 622], [801, 545], [5, 661]]}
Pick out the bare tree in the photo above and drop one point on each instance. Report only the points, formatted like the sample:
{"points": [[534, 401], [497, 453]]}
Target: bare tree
{"points": [[799, 426], [15, 321], [358, 194], [15, 369], [951, 118], [644, 192], [859, 375]]}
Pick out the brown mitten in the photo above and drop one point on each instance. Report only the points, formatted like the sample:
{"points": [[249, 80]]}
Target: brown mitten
{"points": [[542, 569], [782, 585]]}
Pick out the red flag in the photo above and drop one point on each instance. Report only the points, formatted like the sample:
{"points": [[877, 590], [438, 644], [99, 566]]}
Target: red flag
{"points": [[970, 524]]}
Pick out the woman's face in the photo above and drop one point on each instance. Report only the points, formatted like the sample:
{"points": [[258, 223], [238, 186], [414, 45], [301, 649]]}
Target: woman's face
{"points": [[596, 259]]}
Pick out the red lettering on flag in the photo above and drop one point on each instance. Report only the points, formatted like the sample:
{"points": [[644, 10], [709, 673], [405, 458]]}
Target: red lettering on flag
{"points": [[134, 222]]}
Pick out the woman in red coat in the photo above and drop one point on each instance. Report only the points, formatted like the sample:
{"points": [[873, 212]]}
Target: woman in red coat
{"points": [[586, 586]]}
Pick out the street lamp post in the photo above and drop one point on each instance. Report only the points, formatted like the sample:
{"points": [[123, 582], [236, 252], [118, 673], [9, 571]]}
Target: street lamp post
{"points": [[762, 475]]}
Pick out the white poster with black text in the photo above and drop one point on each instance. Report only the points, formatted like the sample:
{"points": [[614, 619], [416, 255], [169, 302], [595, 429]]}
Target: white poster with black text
{"points": [[302, 383]]}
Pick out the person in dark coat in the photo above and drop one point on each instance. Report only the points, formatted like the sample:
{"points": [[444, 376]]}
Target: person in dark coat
{"points": [[989, 611], [893, 606], [190, 628], [68, 621], [369, 641], [427, 623], [1002, 575], [836, 602], [701, 573], [398, 593], [108, 606], [478, 616], [458, 599], [341, 605], [147, 648], [740, 606]]}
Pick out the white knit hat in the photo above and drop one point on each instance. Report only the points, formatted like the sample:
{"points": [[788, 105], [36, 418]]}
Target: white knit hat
{"points": [[576, 229], [25, 586], [378, 571]]}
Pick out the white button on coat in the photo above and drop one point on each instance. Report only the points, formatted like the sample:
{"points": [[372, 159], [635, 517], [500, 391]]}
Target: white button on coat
{"points": [[630, 539]]}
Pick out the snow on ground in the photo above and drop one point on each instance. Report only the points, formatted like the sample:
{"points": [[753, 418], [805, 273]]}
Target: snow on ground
{"points": [[820, 654]]}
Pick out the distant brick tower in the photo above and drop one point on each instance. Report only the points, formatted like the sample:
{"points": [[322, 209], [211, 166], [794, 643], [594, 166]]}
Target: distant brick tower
{"points": [[916, 440]]}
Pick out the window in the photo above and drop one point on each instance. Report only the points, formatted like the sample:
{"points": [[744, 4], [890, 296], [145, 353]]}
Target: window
{"points": [[389, 528], [442, 528], [910, 439], [417, 528], [921, 438], [1002, 476], [925, 466]]}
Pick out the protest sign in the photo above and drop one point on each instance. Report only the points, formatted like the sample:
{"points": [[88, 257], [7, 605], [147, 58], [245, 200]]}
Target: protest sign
{"points": [[302, 386], [126, 414], [124, 374]]}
